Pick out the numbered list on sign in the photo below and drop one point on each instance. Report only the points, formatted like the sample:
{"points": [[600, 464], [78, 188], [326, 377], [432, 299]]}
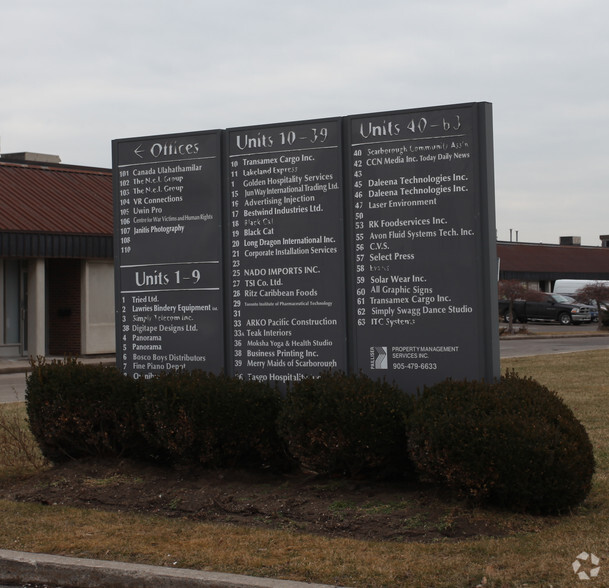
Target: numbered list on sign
{"points": [[286, 262], [169, 271], [416, 241]]}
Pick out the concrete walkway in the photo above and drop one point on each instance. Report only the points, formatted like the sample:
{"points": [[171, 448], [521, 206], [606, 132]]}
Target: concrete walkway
{"points": [[18, 567], [16, 365]]}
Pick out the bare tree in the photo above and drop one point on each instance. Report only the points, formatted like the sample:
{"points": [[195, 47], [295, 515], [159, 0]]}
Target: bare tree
{"points": [[512, 290], [598, 292]]}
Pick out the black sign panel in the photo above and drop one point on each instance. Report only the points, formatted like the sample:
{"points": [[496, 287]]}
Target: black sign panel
{"points": [[286, 259], [411, 296], [422, 212], [168, 253]]}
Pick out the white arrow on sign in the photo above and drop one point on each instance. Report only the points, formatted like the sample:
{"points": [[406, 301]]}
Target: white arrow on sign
{"points": [[138, 151]]}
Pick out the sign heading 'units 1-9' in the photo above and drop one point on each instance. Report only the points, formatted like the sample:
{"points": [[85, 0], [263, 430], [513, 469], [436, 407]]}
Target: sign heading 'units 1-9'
{"points": [[280, 251]]}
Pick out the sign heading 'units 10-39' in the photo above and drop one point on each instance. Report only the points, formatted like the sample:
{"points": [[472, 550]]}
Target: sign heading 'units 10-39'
{"points": [[277, 252]]}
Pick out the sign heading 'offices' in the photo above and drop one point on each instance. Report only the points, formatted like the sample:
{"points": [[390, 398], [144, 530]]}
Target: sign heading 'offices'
{"points": [[279, 251]]}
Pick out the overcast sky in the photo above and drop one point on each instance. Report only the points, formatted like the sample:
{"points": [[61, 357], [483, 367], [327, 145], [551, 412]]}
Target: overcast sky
{"points": [[75, 74]]}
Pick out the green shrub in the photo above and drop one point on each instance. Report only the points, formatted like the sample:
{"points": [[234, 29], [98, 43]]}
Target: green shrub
{"points": [[165, 415], [212, 420], [77, 410], [346, 424], [513, 443]]}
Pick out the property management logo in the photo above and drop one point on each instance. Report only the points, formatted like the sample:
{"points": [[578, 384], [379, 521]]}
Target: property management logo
{"points": [[586, 566], [378, 358]]}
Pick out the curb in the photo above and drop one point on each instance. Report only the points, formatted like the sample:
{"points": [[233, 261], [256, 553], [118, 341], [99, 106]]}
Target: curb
{"points": [[529, 337], [72, 572]]}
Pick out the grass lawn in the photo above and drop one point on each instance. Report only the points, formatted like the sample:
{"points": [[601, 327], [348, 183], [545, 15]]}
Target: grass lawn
{"points": [[539, 553]]}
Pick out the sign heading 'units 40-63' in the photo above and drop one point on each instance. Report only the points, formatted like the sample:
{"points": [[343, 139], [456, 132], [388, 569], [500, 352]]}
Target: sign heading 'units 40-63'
{"points": [[276, 252]]}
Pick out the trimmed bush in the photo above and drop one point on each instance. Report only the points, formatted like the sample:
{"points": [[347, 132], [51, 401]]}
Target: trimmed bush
{"points": [[78, 410], [346, 425], [513, 443], [212, 420]]}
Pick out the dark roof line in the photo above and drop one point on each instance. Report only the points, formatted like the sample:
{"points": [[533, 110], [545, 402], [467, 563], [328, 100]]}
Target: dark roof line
{"points": [[55, 198], [540, 244], [5, 160], [33, 245]]}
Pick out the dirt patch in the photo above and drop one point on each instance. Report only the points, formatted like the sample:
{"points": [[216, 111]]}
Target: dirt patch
{"points": [[387, 511]]}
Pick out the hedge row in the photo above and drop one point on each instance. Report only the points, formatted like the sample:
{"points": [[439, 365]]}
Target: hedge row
{"points": [[512, 443], [77, 410]]}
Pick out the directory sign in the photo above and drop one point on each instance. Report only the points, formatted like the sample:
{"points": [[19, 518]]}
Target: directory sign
{"points": [[422, 244], [277, 252], [168, 252], [285, 254]]}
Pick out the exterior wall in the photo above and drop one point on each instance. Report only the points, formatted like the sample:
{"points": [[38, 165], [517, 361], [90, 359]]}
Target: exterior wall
{"points": [[36, 308], [70, 308], [97, 308]]}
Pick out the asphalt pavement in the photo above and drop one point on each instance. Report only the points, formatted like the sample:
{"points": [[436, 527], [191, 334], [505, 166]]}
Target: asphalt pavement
{"points": [[13, 372], [12, 387], [544, 338], [515, 348]]}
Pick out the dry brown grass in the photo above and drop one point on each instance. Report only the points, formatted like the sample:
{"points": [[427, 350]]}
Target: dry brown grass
{"points": [[541, 556], [19, 452]]}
